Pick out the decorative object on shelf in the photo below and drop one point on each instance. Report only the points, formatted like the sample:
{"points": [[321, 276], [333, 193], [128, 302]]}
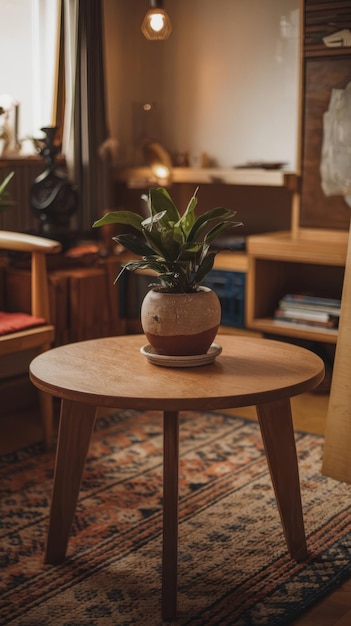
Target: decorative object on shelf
{"points": [[342, 38], [156, 24], [177, 248], [181, 159], [53, 197], [336, 156], [262, 165], [9, 108]]}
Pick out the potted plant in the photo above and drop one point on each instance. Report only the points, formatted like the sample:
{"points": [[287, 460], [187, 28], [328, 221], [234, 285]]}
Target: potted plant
{"points": [[179, 315]]}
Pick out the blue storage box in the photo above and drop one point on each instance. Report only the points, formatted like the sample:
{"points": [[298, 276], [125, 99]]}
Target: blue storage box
{"points": [[230, 288]]}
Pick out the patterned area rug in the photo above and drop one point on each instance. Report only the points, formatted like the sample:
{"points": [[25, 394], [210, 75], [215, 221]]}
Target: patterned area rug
{"points": [[233, 564]]}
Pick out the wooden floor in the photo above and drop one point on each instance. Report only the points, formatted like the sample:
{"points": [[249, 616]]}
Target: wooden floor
{"points": [[309, 411]]}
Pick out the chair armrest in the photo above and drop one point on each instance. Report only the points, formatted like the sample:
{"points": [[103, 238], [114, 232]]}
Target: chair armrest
{"points": [[23, 242], [38, 247]]}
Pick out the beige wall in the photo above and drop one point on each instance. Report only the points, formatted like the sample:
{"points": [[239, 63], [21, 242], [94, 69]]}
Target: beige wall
{"points": [[225, 82]]}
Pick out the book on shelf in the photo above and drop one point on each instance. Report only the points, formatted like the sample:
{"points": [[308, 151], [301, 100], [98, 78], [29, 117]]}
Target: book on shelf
{"points": [[310, 326], [296, 317], [310, 302], [307, 310]]}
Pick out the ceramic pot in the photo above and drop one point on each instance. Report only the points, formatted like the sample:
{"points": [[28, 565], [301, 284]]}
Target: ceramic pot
{"points": [[180, 324]]}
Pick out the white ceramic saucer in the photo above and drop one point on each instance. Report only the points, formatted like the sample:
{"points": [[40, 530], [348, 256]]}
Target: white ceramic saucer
{"points": [[181, 361]]}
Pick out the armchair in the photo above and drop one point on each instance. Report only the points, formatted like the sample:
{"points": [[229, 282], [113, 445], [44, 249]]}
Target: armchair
{"points": [[21, 331]]}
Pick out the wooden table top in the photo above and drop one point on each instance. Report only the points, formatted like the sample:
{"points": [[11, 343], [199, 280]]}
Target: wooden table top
{"points": [[112, 372]]}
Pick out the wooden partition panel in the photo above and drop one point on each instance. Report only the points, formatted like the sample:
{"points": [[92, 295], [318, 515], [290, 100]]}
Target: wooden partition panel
{"points": [[324, 69], [337, 447], [317, 209]]}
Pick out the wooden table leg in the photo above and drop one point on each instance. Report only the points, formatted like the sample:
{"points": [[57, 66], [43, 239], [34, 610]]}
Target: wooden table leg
{"points": [[76, 426], [170, 514], [276, 424]]}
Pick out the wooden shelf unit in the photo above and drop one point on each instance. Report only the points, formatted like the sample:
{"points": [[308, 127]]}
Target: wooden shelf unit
{"points": [[231, 262], [279, 263], [141, 176]]}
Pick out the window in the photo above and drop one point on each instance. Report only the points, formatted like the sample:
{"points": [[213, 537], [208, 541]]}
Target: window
{"points": [[29, 45]]}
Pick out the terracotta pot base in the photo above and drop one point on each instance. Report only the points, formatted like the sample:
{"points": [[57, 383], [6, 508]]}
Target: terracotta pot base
{"points": [[183, 345]]}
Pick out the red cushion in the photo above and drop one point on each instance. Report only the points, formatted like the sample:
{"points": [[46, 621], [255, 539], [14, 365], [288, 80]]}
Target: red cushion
{"points": [[12, 322]]}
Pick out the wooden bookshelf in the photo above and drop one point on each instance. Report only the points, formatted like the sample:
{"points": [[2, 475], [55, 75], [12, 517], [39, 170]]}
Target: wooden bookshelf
{"points": [[280, 263]]}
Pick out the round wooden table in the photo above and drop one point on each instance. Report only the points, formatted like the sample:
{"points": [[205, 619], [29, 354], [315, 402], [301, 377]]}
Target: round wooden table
{"points": [[112, 372]]}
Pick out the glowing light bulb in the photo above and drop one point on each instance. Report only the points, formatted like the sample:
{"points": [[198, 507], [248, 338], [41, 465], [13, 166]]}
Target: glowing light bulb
{"points": [[160, 171], [157, 22]]}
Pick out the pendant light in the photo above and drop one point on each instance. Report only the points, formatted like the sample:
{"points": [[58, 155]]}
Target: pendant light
{"points": [[156, 23]]}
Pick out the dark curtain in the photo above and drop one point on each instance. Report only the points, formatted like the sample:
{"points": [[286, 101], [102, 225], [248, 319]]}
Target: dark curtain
{"points": [[92, 172]]}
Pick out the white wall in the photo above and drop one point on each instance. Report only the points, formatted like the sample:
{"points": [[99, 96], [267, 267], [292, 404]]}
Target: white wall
{"points": [[16, 75], [225, 83], [28, 46]]}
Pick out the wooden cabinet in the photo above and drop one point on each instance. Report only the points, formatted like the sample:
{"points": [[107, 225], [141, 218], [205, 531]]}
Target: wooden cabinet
{"points": [[279, 263], [84, 302]]}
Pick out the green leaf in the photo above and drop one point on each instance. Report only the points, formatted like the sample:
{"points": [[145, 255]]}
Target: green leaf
{"points": [[202, 222], [154, 240], [204, 252], [188, 219], [189, 253], [134, 244], [170, 245], [204, 268], [5, 182], [190, 248], [160, 200], [146, 264], [149, 222], [4, 202], [133, 265], [120, 217], [219, 229], [178, 234], [162, 240]]}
